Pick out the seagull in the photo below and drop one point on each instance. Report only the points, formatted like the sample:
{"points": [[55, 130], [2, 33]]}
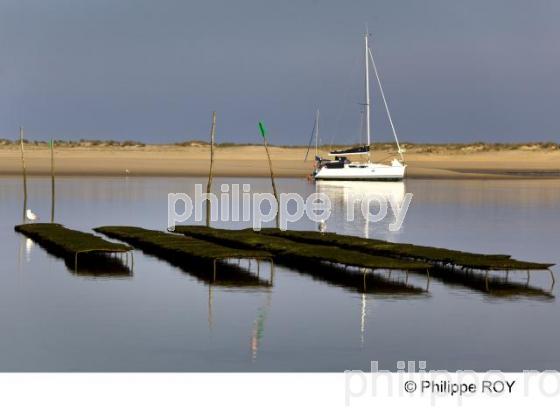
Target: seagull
{"points": [[322, 226], [30, 216]]}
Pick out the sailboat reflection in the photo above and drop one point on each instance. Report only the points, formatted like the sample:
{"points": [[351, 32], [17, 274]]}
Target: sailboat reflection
{"points": [[349, 197], [355, 206]]}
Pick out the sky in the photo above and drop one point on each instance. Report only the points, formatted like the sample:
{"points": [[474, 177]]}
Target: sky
{"points": [[153, 71]]}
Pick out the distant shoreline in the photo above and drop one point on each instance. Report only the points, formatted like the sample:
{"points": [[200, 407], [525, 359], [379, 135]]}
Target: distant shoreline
{"points": [[415, 147], [426, 161]]}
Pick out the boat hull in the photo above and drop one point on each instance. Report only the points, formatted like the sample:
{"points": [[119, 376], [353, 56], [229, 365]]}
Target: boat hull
{"points": [[363, 172]]}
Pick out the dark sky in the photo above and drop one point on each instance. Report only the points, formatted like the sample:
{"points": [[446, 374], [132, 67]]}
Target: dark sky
{"points": [[154, 70]]}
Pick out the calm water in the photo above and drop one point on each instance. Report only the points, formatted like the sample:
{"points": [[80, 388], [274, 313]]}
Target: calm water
{"points": [[164, 319]]}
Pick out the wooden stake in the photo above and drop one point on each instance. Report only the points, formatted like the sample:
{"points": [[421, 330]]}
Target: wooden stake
{"points": [[52, 182], [24, 173], [273, 183], [210, 175]]}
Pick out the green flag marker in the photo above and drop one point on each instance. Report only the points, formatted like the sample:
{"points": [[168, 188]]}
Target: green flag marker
{"points": [[263, 130]]}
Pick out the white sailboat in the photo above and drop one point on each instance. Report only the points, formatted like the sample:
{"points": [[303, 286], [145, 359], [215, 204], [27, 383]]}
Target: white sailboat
{"points": [[341, 168]]}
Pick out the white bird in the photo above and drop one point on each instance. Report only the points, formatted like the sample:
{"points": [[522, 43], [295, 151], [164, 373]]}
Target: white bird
{"points": [[30, 216], [322, 226]]}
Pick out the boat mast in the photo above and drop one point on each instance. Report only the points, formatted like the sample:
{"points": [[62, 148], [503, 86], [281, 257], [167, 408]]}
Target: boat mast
{"points": [[367, 95], [316, 133], [400, 150]]}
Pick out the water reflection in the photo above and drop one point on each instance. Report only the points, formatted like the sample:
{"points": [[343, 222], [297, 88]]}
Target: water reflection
{"points": [[228, 273], [92, 265], [363, 281], [257, 331], [165, 315], [363, 319], [258, 326], [350, 200], [495, 285], [28, 248]]}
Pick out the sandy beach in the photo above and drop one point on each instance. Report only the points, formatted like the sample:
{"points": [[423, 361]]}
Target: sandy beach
{"points": [[469, 162]]}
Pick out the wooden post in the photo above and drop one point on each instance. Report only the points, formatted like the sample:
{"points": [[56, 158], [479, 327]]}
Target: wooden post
{"points": [[210, 175], [271, 272], [271, 171], [263, 134], [273, 184], [52, 182], [24, 174], [210, 303]]}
